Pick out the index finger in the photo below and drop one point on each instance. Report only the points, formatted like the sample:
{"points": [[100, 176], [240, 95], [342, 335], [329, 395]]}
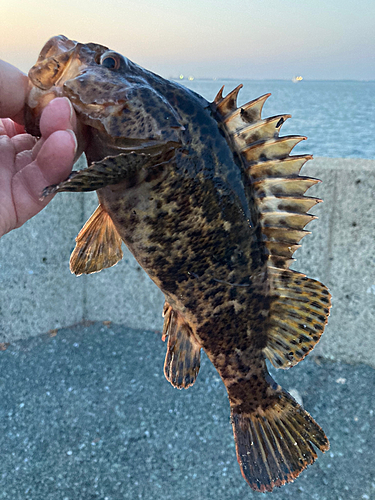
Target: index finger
{"points": [[13, 92]]}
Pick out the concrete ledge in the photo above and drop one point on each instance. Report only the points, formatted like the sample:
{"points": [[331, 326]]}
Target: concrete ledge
{"points": [[38, 293]]}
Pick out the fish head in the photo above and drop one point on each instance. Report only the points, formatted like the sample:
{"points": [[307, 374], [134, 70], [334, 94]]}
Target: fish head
{"points": [[116, 101]]}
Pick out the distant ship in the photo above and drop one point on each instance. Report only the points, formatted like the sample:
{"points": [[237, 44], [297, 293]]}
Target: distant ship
{"points": [[182, 77], [296, 79]]}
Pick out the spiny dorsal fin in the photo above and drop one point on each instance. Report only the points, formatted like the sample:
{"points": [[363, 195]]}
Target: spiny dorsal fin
{"points": [[98, 245], [182, 360], [274, 175]]}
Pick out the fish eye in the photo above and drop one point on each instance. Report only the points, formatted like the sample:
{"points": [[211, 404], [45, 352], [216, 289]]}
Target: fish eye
{"points": [[110, 60]]}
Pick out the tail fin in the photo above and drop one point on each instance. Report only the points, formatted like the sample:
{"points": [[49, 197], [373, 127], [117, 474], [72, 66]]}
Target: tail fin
{"points": [[275, 444]]}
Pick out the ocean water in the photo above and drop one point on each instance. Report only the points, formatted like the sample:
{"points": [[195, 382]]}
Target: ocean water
{"points": [[337, 117]]}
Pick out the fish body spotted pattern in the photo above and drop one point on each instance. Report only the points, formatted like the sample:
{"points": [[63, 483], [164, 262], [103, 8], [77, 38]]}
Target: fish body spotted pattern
{"points": [[207, 198]]}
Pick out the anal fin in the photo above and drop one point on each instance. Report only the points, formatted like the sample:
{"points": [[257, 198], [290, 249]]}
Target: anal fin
{"points": [[182, 360], [98, 245], [298, 314]]}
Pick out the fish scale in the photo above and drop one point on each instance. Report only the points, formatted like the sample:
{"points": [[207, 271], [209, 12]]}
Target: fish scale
{"points": [[210, 202]]}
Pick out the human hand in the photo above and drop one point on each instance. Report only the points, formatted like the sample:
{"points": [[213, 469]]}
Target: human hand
{"points": [[27, 166]]}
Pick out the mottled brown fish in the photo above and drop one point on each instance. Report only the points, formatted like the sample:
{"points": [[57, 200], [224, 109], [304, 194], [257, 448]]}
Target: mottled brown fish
{"points": [[207, 198]]}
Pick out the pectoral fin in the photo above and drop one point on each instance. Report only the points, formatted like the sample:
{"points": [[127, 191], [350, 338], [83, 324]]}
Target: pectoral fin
{"points": [[110, 170], [182, 361], [98, 245]]}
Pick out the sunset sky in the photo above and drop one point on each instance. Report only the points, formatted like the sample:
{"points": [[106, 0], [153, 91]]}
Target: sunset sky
{"points": [[259, 39]]}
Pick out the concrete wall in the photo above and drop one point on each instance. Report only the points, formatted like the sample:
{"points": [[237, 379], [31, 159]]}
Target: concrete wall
{"points": [[38, 293]]}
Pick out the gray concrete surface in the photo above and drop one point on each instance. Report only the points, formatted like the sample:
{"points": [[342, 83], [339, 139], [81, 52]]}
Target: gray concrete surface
{"points": [[37, 292], [88, 414]]}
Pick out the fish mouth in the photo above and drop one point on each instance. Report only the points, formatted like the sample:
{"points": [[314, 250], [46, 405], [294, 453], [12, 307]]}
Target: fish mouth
{"points": [[58, 57], [58, 62]]}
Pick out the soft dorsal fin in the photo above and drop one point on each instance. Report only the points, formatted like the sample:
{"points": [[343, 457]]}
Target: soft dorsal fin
{"points": [[274, 175], [98, 245], [182, 360], [298, 313]]}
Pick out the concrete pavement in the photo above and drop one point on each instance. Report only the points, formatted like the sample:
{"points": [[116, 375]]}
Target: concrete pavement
{"points": [[86, 413]]}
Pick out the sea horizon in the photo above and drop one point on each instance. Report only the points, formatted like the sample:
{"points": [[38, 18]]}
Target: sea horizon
{"points": [[232, 78], [335, 115]]}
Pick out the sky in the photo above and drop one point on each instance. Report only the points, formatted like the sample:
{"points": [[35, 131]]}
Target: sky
{"points": [[256, 39]]}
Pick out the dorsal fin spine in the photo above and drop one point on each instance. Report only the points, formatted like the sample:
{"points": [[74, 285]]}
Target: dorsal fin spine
{"points": [[279, 120], [247, 114], [219, 95], [264, 129], [229, 102], [292, 204], [286, 167], [271, 149]]}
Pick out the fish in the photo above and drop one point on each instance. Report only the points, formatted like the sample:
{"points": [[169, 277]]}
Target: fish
{"points": [[212, 205]]}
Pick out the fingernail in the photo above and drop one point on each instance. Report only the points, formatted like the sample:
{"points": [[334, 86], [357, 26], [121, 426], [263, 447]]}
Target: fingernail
{"points": [[74, 138], [71, 110]]}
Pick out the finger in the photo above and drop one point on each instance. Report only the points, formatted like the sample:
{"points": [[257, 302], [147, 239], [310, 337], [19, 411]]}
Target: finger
{"points": [[2, 127], [57, 115], [56, 156], [6, 162], [23, 142], [10, 128], [23, 159], [53, 165], [13, 92], [37, 148], [7, 127]]}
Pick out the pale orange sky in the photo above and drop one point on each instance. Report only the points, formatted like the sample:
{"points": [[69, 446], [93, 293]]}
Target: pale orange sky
{"points": [[206, 38]]}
